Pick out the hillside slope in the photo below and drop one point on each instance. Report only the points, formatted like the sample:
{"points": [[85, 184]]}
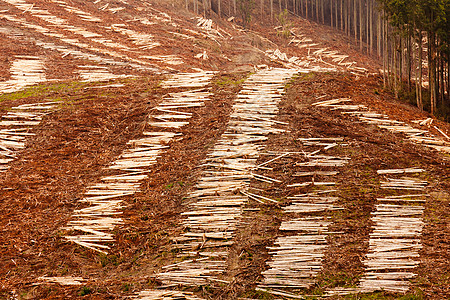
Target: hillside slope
{"points": [[147, 152]]}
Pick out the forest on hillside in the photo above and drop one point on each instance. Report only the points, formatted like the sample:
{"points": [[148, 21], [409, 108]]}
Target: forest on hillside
{"points": [[409, 37]]}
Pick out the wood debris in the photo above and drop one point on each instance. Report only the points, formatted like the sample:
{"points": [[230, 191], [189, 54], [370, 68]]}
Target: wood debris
{"points": [[166, 295], [215, 207], [60, 28], [297, 258], [395, 239], [363, 113], [16, 126], [63, 280], [25, 71], [92, 226]]}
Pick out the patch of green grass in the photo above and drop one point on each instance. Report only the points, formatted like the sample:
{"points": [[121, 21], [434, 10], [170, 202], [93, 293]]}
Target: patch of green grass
{"points": [[169, 186], [109, 259], [307, 76], [126, 287], [85, 291], [44, 90], [227, 81], [256, 294], [174, 184], [340, 279]]}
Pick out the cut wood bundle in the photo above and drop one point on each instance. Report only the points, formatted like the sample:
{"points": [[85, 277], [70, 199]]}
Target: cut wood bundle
{"points": [[404, 198], [297, 259], [316, 173], [400, 171], [15, 127], [331, 102], [377, 121], [311, 183], [24, 72], [403, 129], [311, 207], [192, 80], [317, 226], [404, 184], [90, 74], [324, 161], [295, 262], [63, 280], [382, 121]]}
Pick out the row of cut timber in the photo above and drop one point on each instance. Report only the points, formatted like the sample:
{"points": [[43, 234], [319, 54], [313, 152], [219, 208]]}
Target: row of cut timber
{"points": [[382, 121], [214, 208], [65, 46], [394, 242], [16, 127], [395, 239], [92, 225], [63, 24], [296, 257], [25, 71], [60, 30]]}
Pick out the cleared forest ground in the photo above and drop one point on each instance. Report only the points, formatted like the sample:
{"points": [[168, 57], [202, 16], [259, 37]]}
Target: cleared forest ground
{"points": [[67, 154], [324, 152]]}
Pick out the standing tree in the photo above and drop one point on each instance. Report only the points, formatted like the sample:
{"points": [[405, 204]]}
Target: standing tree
{"points": [[246, 9]]}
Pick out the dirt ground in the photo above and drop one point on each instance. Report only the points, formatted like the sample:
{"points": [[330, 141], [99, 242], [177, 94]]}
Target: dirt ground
{"points": [[68, 153], [92, 126]]}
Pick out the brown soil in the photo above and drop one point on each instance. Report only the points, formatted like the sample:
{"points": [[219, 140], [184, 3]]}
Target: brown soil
{"points": [[92, 126]]}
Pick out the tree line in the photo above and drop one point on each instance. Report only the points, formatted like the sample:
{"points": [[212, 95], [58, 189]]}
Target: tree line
{"points": [[409, 37]]}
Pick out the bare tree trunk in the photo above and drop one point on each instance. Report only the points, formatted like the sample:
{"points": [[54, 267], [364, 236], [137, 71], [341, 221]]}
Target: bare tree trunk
{"points": [[380, 33], [371, 15], [306, 5], [317, 11], [331, 13], [385, 54], [408, 59], [420, 70], [360, 26], [395, 66], [262, 9], [441, 79], [368, 50], [355, 18], [448, 80], [322, 8], [271, 10], [432, 70]]}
